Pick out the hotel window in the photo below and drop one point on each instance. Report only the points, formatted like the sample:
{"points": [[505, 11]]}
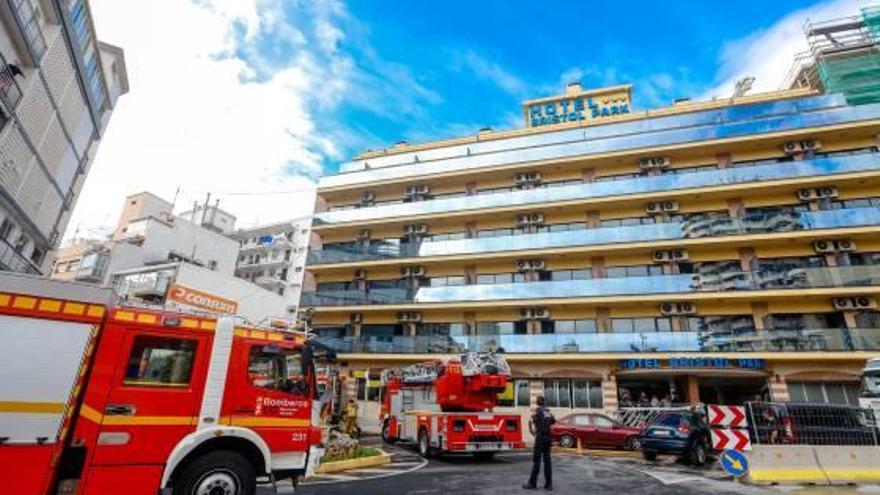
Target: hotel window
{"points": [[853, 203], [450, 281], [868, 319], [687, 170], [494, 232], [337, 286], [502, 328], [398, 283], [793, 263], [861, 259], [515, 395], [635, 325], [829, 393], [573, 393], [496, 190], [583, 274], [381, 330], [441, 329], [633, 271], [560, 183], [500, 278], [562, 227], [611, 178], [574, 326], [446, 237], [627, 222]]}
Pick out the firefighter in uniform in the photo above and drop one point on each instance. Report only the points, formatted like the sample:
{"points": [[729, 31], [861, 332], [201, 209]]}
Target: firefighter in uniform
{"points": [[539, 426], [351, 415]]}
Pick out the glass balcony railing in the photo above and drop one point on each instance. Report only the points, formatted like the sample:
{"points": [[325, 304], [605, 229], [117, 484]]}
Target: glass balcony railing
{"points": [[799, 278], [823, 339], [669, 182], [727, 122], [696, 226], [12, 260]]}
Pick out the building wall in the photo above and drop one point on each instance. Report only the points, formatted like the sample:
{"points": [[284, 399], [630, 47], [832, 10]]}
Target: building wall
{"points": [[60, 106], [137, 206]]}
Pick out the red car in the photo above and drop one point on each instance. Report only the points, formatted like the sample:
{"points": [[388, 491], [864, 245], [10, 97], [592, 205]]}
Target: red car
{"points": [[595, 430]]}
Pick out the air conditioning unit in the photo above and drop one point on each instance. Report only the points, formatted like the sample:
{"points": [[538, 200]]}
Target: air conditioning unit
{"points": [[541, 313], [811, 144], [538, 265], [526, 314], [523, 265], [854, 303], [529, 219], [527, 178], [535, 177], [368, 197], [656, 207], [824, 246], [423, 189], [363, 235], [412, 271], [677, 308], [656, 162], [417, 228], [670, 255], [809, 193], [360, 274], [356, 317], [520, 179], [844, 245], [792, 147], [409, 316], [412, 190]]}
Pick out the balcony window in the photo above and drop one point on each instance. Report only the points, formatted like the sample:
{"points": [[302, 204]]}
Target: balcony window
{"points": [[868, 319], [800, 321], [400, 283], [688, 170], [830, 393], [335, 331], [29, 22], [853, 203], [450, 281], [636, 325], [501, 328], [574, 326], [381, 330], [562, 227], [626, 222], [633, 271], [5, 229], [441, 329], [495, 232], [337, 286], [582, 274], [446, 237], [500, 278], [612, 178], [792, 263]]}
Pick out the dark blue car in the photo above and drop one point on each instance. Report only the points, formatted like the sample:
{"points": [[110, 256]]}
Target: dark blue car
{"points": [[681, 433]]}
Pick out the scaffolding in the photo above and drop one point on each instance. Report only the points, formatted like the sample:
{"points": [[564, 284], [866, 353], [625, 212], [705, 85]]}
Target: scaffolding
{"points": [[843, 57]]}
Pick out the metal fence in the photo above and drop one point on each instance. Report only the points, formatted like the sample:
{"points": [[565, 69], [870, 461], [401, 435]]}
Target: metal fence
{"points": [[804, 423], [638, 417]]}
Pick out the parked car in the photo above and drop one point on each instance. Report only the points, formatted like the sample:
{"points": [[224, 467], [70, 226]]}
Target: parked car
{"points": [[681, 433], [595, 431]]}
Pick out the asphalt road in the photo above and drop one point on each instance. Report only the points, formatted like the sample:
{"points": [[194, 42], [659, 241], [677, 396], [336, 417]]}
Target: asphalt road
{"points": [[505, 474]]}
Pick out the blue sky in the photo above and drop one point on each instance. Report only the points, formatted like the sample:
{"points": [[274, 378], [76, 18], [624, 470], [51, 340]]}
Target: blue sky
{"points": [[254, 100]]}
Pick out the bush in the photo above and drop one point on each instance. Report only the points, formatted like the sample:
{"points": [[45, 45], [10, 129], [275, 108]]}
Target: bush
{"points": [[356, 453]]}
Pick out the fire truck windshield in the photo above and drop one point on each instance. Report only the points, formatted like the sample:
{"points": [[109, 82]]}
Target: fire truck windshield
{"points": [[276, 368]]}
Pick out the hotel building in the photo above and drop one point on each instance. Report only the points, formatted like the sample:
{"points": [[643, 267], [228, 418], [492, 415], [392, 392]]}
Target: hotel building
{"points": [[712, 251]]}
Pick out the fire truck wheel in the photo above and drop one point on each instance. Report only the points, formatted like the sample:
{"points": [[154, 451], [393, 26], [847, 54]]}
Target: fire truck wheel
{"points": [[221, 472], [386, 433], [424, 447]]}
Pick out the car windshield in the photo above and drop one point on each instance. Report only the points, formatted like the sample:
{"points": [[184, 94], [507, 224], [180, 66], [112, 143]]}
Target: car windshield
{"points": [[670, 420]]}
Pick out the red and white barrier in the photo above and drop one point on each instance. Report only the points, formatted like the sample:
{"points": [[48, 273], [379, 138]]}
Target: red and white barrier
{"points": [[732, 416], [724, 439]]}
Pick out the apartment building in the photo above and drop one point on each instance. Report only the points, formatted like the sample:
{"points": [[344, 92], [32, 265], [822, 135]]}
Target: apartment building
{"points": [[58, 87], [710, 252], [273, 257]]}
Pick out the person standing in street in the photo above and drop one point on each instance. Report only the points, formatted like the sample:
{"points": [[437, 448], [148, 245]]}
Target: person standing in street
{"points": [[351, 414], [540, 424]]}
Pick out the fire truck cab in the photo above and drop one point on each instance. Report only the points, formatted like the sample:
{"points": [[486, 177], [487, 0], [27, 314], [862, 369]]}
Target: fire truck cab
{"points": [[98, 400]]}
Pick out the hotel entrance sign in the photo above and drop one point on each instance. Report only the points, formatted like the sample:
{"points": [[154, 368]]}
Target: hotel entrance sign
{"points": [[577, 105]]}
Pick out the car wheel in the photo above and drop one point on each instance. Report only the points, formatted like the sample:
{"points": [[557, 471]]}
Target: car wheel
{"points": [[699, 454], [634, 443], [649, 456], [424, 446], [567, 441], [222, 472]]}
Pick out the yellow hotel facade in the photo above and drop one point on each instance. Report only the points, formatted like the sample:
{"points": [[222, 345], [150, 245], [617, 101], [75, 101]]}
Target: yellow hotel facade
{"points": [[712, 252]]}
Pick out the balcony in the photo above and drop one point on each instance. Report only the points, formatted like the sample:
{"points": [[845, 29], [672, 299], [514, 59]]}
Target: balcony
{"points": [[93, 267], [13, 261], [696, 226], [802, 340], [695, 127], [792, 279], [661, 183]]}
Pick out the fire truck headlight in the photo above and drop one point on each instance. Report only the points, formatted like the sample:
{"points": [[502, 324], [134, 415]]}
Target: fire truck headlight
{"points": [[458, 425], [511, 425]]}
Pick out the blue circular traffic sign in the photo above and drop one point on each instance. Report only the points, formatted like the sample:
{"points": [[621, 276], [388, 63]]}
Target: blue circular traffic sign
{"points": [[734, 462]]}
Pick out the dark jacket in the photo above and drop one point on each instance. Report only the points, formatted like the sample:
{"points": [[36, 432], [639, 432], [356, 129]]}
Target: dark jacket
{"points": [[542, 420]]}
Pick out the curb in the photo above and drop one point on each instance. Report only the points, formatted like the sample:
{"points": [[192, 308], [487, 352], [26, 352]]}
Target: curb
{"points": [[359, 463], [632, 454]]}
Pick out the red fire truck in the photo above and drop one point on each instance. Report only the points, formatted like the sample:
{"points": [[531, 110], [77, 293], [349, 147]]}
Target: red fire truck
{"points": [[446, 406], [96, 399]]}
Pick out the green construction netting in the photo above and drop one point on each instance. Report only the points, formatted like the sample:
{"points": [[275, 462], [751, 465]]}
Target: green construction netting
{"points": [[857, 77]]}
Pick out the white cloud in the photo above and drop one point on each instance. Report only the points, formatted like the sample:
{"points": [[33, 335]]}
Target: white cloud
{"points": [[492, 71], [768, 54]]}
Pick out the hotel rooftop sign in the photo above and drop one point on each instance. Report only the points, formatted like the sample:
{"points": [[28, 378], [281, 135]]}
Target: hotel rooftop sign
{"points": [[577, 105]]}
